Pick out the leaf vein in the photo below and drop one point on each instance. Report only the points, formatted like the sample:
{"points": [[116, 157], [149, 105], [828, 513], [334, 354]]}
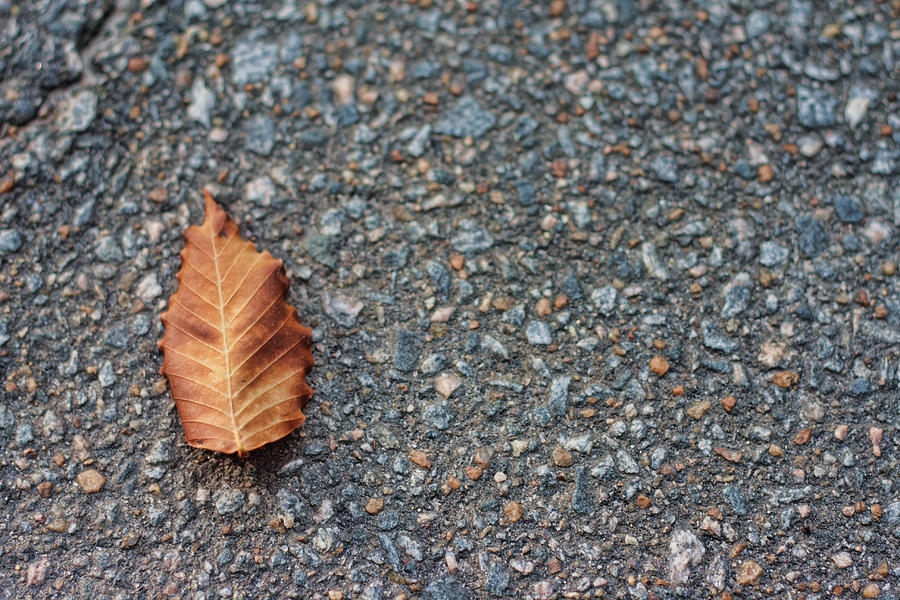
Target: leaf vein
{"points": [[268, 366]]}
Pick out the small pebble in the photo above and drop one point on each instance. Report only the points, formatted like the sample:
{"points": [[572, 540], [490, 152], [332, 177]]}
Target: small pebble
{"points": [[561, 457], [785, 379], [728, 454], [728, 403], [749, 572], [482, 457], [659, 365], [374, 505], [446, 384], [419, 458], [871, 591], [91, 481], [842, 560], [696, 410], [513, 511]]}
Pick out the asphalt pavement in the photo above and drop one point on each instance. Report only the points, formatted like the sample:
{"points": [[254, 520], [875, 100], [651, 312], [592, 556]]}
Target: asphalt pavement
{"points": [[604, 297]]}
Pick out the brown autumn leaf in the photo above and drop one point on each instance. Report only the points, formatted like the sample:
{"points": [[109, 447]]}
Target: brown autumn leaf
{"points": [[234, 350]]}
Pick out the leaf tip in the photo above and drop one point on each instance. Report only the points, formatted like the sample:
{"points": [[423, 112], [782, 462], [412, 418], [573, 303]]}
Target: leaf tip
{"points": [[210, 203]]}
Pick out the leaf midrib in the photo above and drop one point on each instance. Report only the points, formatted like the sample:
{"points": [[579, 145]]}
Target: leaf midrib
{"points": [[225, 346]]}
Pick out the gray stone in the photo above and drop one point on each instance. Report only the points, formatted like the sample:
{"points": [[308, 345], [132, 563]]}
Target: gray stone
{"points": [[810, 145], [582, 496], [538, 334], [758, 23], [497, 580], [572, 288], [433, 363], [10, 240], [819, 72], [816, 108], [70, 367], [440, 278], [471, 238], [228, 500], [527, 193], [148, 289], [716, 341], [364, 134], [108, 250], [343, 309], [771, 254], [107, 375], [848, 209], [260, 135], [319, 247], [79, 112], [395, 258], [859, 387], [194, 10], [788, 517], [202, 102], [416, 146], [645, 71], [597, 167], [524, 127], [118, 337], [332, 222], [685, 551], [493, 346], [7, 420], [140, 325], [625, 463], [737, 499], [558, 401], [665, 168], [652, 262], [604, 299], [892, 514], [288, 502], [161, 452], [813, 238], [737, 299], [407, 347], [388, 520], [564, 137], [253, 60], [856, 109], [437, 415], [52, 427], [581, 213], [24, 107], [83, 214], [446, 588], [24, 434], [315, 136], [883, 163], [260, 191], [515, 315], [424, 69], [466, 118]]}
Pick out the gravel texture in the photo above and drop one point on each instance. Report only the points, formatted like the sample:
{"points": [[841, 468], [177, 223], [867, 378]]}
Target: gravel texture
{"points": [[603, 292]]}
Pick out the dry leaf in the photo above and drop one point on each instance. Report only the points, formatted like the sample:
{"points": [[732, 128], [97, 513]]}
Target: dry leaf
{"points": [[234, 350]]}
